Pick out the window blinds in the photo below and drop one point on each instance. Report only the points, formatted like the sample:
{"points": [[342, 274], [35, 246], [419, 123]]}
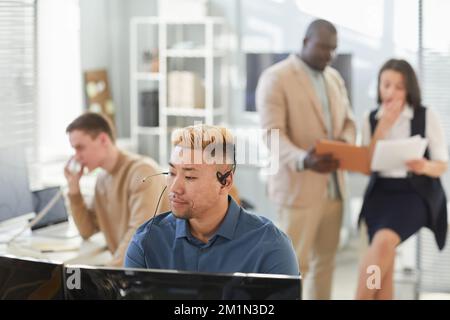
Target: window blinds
{"points": [[18, 75], [435, 83]]}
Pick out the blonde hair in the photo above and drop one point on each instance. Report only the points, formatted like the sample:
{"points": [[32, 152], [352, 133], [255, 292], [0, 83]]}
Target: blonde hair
{"points": [[218, 140]]}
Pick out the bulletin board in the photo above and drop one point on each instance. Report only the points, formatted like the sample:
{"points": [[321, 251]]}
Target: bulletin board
{"points": [[98, 94]]}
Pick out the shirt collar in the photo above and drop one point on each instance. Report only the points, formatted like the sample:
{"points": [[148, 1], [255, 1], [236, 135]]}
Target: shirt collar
{"points": [[226, 228], [407, 113], [305, 66], [181, 228]]}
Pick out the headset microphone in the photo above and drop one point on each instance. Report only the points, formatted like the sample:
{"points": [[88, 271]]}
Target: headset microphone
{"points": [[152, 175], [159, 199]]}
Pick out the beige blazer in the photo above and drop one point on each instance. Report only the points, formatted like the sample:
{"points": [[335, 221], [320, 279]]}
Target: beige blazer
{"points": [[286, 100]]}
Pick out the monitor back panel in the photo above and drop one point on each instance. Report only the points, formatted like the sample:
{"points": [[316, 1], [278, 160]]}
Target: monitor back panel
{"points": [[30, 279], [104, 283]]}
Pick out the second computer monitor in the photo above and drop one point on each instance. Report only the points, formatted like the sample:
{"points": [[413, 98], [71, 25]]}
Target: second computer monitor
{"points": [[15, 194]]}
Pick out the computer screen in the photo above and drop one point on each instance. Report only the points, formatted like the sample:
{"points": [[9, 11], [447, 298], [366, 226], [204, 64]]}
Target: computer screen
{"points": [[15, 194], [256, 63], [57, 214], [111, 284], [30, 279]]}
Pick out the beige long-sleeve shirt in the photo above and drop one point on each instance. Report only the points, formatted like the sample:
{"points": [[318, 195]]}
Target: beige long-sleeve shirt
{"points": [[122, 202]]}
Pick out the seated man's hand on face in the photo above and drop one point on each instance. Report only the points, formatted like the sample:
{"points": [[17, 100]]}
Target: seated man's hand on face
{"points": [[73, 175]]}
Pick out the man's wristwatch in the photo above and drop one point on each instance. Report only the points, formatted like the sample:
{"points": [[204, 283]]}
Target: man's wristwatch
{"points": [[301, 164]]}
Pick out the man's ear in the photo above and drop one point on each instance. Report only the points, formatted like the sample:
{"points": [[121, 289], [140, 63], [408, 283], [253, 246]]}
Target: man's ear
{"points": [[305, 41], [228, 182], [103, 138]]}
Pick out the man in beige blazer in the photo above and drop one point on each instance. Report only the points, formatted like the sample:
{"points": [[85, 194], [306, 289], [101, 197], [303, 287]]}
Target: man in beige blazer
{"points": [[306, 100]]}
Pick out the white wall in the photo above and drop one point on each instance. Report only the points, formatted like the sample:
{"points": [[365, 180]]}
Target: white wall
{"points": [[279, 25], [58, 74], [104, 40], [95, 34]]}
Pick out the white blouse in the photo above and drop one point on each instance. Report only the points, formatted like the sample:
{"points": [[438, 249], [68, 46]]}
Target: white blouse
{"points": [[434, 133]]}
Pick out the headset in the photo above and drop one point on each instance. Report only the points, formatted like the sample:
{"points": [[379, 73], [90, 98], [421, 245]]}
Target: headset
{"points": [[222, 177]]}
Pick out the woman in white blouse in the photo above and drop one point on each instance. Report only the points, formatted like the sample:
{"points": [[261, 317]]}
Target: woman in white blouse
{"points": [[398, 203]]}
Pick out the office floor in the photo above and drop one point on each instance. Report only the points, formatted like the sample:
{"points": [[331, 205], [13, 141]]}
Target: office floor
{"points": [[346, 273]]}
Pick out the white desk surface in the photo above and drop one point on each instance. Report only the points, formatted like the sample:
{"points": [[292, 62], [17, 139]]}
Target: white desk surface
{"points": [[72, 250]]}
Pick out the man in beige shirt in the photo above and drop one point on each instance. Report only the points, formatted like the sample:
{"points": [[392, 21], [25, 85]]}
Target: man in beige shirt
{"points": [[122, 200]]}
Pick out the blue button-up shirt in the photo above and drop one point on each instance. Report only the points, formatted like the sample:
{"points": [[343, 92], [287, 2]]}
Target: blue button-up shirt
{"points": [[243, 242]]}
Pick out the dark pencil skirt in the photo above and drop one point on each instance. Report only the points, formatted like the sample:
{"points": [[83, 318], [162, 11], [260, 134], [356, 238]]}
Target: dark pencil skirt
{"points": [[395, 205]]}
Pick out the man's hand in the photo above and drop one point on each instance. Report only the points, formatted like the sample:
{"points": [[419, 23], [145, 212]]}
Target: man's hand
{"points": [[73, 178], [320, 163]]}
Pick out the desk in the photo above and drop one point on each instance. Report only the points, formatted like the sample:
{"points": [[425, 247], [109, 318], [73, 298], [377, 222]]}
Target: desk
{"points": [[72, 250]]}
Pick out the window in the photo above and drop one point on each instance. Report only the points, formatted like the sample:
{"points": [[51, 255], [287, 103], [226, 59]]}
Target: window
{"points": [[17, 75], [18, 80], [435, 80], [40, 82], [60, 94], [435, 77]]}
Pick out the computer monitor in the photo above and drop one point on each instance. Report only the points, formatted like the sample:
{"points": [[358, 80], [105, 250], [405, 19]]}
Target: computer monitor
{"points": [[57, 213], [111, 284], [256, 63], [15, 194], [30, 279]]}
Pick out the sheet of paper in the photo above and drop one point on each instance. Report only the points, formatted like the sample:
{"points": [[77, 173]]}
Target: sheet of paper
{"points": [[393, 154]]}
